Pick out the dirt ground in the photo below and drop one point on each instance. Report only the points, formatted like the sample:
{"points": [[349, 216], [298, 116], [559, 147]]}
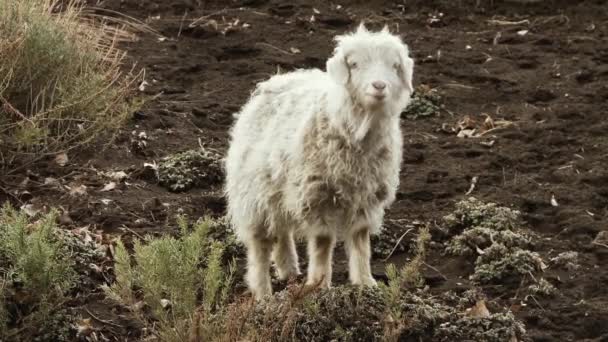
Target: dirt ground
{"points": [[546, 70]]}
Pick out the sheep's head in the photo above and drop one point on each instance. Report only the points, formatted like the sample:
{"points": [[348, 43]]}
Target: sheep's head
{"points": [[374, 67]]}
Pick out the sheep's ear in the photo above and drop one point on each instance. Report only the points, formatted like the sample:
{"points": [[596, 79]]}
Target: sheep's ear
{"points": [[407, 73], [362, 28], [337, 68], [385, 29]]}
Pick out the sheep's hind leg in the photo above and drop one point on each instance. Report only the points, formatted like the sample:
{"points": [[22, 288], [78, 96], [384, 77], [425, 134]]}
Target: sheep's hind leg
{"points": [[320, 251], [359, 254], [258, 266], [285, 256]]}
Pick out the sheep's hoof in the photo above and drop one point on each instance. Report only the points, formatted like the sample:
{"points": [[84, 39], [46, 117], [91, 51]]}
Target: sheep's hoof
{"points": [[288, 275], [371, 282]]}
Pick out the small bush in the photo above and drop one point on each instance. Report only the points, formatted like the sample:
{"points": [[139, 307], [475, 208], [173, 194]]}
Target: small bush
{"points": [[189, 169], [173, 276], [425, 102], [37, 271], [60, 77], [491, 232]]}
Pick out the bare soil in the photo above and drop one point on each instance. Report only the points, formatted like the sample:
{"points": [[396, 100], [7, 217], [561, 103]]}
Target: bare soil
{"points": [[548, 74]]}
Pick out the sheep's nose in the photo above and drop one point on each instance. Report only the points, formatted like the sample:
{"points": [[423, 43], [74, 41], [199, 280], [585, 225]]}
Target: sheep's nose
{"points": [[379, 85]]}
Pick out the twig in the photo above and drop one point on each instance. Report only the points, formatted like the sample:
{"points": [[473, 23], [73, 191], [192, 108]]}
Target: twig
{"points": [[9, 108], [181, 24], [103, 320], [537, 303], [507, 22], [599, 244], [132, 231], [397, 244], [436, 270], [274, 47]]}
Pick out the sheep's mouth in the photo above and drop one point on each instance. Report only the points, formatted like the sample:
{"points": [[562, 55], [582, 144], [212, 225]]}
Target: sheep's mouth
{"points": [[377, 97]]}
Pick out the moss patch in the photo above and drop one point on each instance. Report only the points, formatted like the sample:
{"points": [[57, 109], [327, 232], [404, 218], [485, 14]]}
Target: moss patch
{"points": [[425, 102], [190, 169], [491, 232]]}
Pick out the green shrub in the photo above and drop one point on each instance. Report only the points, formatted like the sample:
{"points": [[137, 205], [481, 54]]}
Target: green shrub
{"points": [[37, 272], [174, 276], [60, 77]]}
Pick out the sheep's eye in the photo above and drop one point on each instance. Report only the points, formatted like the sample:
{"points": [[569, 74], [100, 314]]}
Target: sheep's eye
{"points": [[352, 65], [397, 66]]}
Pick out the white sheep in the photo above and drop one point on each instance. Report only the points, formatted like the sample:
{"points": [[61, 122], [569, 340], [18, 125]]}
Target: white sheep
{"points": [[318, 154]]}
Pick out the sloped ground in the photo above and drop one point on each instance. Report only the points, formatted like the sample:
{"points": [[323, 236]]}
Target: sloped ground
{"points": [[542, 67]]}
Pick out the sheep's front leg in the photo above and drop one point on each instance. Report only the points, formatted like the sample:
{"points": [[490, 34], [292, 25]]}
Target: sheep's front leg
{"points": [[258, 266], [285, 256], [359, 254], [320, 251]]}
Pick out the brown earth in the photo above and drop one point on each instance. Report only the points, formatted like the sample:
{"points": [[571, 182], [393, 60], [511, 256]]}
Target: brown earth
{"points": [[551, 82]]}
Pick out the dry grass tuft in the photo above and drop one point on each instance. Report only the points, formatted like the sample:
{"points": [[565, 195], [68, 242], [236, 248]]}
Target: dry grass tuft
{"points": [[61, 78]]}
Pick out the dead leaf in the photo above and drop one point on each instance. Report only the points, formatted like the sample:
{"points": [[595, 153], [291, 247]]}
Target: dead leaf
{"points": [[479, 310], [488, 123], [106, 201], [51, 181], [117, 175], [473, 184], [143, 85], [294, 50], [554, 201], [84, 327], [467, 133], [488, 143], [467, 123], [61, 159], [165, 303], [29, 210], [109, 187], [80, 190]]}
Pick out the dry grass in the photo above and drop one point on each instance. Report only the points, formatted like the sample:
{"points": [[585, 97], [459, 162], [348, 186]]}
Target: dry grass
{"points": [[61, 78]]}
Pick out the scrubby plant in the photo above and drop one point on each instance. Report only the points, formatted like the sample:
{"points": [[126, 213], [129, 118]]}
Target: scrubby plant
{"points": [[408, 276], [567, 260], [425, 102], [60, 77], [36, 272], [174, 276], [350, 313], [189, 169], [493, 234], [543, 287], [499, 262]]}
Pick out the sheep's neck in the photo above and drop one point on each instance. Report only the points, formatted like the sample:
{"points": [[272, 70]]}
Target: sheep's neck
{"points": [[357, 123]]}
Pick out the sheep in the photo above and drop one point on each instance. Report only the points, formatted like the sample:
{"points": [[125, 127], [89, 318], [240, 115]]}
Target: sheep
{"points": [[317, 155]]}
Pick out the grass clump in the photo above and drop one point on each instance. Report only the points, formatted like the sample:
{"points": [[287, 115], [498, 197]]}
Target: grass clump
{"points": [[189, 169], [491, 232], [425, 102], [37, 272], [60, 77], [174, 277]]}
